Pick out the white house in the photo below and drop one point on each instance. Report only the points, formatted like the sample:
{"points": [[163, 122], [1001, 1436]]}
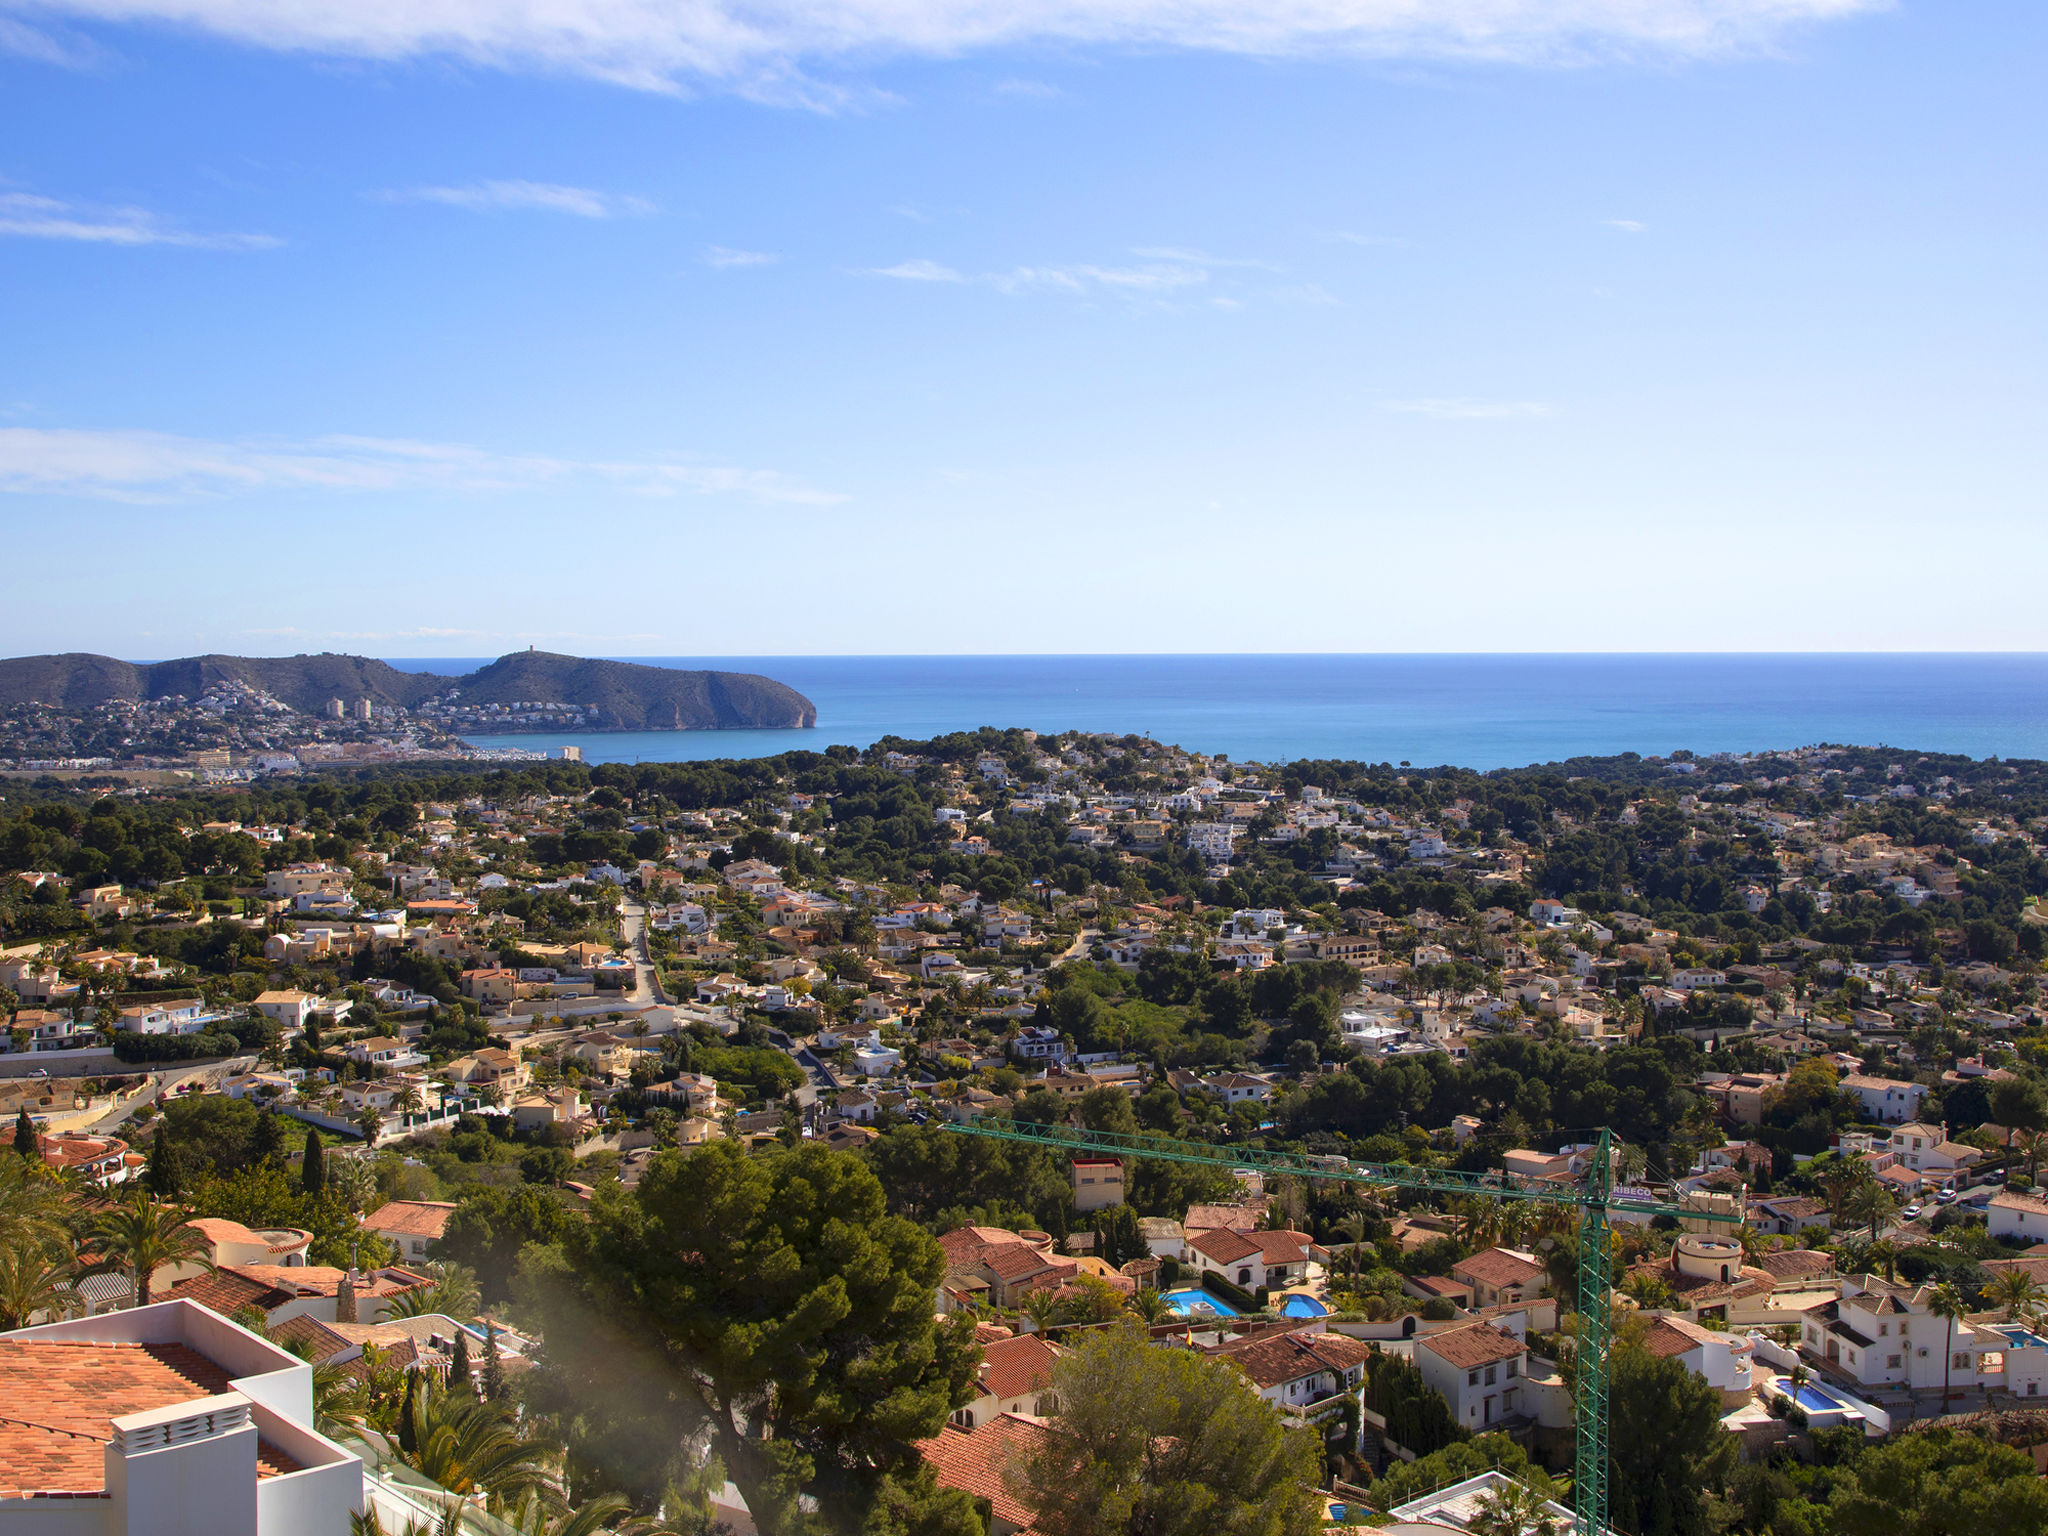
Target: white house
{"points": [[1722, 1360], [171, 1418], [186, 1017], [1883, 1099], [1478, 1370], [1300, 1370], [1884, 1335], [1927, 1149], [1251, 1260], [2012, 1214]]}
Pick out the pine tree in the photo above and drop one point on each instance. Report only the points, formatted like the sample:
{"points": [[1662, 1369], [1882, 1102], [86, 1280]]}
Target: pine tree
{"points": [[268, 1141], [25, 1141], [494, 1370], [166, 1173], [313, 1167], [345, 1299], [408, 1441], [458, 1367]]}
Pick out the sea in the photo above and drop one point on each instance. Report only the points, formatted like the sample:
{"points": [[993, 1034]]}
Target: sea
{"points": [[1476, 711]]}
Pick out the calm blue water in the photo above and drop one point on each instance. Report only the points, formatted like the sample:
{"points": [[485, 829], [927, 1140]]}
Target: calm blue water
{"points": [[1477, 711], [1196, 1302], [1303, 1306]]}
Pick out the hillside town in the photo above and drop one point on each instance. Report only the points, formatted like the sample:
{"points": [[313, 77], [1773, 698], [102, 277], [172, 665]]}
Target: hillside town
{"points": [[354, 1111]]}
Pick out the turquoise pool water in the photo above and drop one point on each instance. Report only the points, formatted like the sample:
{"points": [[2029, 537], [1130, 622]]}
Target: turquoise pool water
{"points": [[1193, 1301], [1813, 1400], [1303, 1306]]}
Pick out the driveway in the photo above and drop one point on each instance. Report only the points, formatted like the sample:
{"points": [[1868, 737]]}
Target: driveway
{"points": [[633, 929]]}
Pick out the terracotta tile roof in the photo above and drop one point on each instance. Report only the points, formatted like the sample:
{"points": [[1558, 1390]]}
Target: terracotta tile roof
{"points": [[1498, 1267], [1013, 1261], [319, 1338], [411, 1218], [1795, 1263], [1241, 1217], [1224, 1245], [228, 1291], [1671, 1336], [58, 1398], [1013, 1367], [1441, 1285], [1282, 1245], [1473, 1345], [218, 1230], [1280, 1358], [975, 1462]]}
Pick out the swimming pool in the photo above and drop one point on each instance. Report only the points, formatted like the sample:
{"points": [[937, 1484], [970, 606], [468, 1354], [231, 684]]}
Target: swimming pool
{"points": [[1193, 1301], [1303, 1306], [2020, 1337], [1814, 1400]]}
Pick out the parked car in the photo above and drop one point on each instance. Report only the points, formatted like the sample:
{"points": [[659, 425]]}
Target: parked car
{"points": [[1947, 1196], [1912, 1212]]}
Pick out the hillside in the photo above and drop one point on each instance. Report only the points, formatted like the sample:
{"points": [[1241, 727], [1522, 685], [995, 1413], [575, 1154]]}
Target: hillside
{"points": [[623, 695], [629, 696]]}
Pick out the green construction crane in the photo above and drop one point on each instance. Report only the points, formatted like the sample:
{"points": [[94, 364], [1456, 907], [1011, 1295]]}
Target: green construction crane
{"points": [[1594, 1196]]}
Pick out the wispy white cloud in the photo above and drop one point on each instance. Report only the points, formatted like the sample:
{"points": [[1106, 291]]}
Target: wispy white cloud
{"points": [[1200, 259], [523, 196], [1462, 409], [45, 47], [726, 256], [161, 467], [1159, 278], [918, 271], [1163, 272], [1626, 226], [28, 216], [763, 47], [1033, 90]]}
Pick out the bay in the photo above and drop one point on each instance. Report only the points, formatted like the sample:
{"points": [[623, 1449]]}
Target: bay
{"points": [[1479, 711]]}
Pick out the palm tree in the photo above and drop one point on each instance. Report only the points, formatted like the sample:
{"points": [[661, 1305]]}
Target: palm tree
{"points": [[407, 1101], [35, 1206], [353, 1179], [31, 1282], [2017, 1291], [590, 1518], [1353, 1227], [1040, 1307], [1149, 1305], [1947, 1303], [341, 1402], [1512, 1509], [2031, 1142], [142, 1237], [452, 1522], [1841, 1181], [471, 1447], [454, 1293]]}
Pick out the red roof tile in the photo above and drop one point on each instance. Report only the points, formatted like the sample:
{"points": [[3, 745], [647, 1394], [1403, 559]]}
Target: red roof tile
{"points": [[1013, 1367], [58, 1398], [976, 1462]]}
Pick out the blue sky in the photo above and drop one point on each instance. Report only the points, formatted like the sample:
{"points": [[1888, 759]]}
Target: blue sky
{"points": [[639, 328]]}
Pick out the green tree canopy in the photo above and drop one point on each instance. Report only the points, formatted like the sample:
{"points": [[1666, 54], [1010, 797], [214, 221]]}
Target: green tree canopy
{"points": [[1165, 1442], [772, 1307]]}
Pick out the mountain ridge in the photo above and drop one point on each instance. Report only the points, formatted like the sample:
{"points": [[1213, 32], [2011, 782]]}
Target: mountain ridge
{"points": [[621, 695]]}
